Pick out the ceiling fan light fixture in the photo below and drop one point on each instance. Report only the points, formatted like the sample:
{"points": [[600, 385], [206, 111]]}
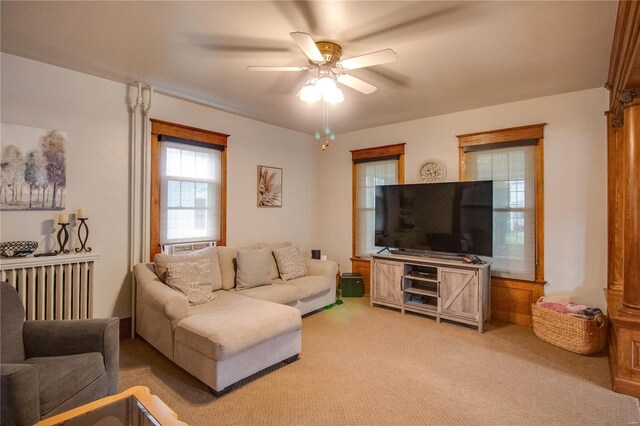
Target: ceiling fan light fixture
{"points": [[310, 93], [333, 96], [326, 83]]}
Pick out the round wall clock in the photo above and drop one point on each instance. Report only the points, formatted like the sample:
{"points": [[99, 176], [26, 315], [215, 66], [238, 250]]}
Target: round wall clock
{"points": [[432, 171]]}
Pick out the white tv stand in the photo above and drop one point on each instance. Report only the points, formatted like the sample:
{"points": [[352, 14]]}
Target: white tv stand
{"points": [[440, 288]]}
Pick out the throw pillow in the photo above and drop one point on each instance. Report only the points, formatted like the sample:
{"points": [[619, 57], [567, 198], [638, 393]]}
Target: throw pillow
{"points": [[193, 279], [273, 266], [162, 261], [227, 258], [253, 268], [290, 263]]}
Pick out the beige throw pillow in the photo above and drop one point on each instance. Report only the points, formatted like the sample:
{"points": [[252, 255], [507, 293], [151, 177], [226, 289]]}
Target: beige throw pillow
{"points": [[227, 260], [193, 279], [273, 266], [253, 268], [161, 262], [290, 263]]}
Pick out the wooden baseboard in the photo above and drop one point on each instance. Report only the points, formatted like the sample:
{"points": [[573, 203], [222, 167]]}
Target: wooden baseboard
{"points": [[125, 328]]}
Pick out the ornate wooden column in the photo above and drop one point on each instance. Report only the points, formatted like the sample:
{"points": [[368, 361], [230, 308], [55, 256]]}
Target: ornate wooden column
{"points": [[623, 152], [615, 149], [630, 100]]}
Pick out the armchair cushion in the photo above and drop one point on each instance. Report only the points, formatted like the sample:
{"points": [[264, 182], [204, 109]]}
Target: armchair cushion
{"points": [[61, 377], [19, 396], [70, 337]]}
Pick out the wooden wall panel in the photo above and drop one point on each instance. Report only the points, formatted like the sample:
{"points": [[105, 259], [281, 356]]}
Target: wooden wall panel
{"points": [[511, 300], [363, 267]]}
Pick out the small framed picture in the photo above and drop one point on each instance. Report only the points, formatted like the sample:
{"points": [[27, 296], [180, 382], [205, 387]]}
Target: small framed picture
{"points": [[269, 186]]}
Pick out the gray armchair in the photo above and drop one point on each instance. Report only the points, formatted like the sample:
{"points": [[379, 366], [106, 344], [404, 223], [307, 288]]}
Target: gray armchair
{"points": [[48, 367]]}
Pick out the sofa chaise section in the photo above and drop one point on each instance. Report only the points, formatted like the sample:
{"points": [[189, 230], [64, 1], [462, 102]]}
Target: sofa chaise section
{"points": [[233, 337], [238, 333]]}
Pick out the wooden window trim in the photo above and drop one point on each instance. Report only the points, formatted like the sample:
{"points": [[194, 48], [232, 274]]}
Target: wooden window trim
{"points": [[159, 127], [367, 155], [377, 152], [533, 132]]}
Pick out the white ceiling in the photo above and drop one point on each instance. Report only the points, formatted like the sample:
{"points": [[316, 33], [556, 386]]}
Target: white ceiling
{"points": [[452, 56]]}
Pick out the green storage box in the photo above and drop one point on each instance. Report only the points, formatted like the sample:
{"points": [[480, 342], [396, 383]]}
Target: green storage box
{"points": [[352, 285]]}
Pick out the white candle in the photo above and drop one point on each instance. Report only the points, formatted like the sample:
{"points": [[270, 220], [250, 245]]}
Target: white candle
{"points": [[63, 218], [82, 214]]}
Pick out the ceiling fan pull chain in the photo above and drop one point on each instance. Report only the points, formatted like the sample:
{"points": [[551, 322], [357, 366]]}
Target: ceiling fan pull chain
{"points": [[325, 122]]}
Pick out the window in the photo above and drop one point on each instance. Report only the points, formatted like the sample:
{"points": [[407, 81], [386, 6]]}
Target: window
{"points": [[514, 220], [513, 160], [188, 185], [368, 175], [372, 167], [189, 193]]}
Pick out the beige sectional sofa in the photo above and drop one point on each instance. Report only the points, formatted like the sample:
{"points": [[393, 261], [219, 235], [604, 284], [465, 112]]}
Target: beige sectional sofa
{"points": [[239, 332]]}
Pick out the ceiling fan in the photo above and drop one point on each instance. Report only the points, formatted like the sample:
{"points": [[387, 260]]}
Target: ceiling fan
{"points": [[327, 68]]}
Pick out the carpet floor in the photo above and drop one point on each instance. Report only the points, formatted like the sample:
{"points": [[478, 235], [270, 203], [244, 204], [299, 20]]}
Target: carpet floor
{"points": [[363, 365]]}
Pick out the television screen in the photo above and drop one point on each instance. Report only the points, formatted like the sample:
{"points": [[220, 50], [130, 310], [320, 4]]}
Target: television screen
{"points": [[453, 217]]}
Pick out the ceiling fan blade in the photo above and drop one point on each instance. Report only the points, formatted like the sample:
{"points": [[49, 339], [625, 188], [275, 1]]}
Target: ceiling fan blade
{"points": [[368, 60], [300, 14], [291, 69], [421, 15], [356, 84], [308, 46]]}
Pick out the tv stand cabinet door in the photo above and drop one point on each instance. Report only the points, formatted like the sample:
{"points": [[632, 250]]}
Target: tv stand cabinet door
{"points": [[387, 283], [459, 292]]}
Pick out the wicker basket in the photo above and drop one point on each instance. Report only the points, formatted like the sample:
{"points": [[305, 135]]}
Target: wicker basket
{"points": [[574, 334]]}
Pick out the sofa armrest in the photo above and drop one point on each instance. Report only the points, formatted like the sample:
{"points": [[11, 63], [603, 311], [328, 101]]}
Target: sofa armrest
{"points": [[325, 268], [20, 400], [69, 337], [159, 295]]}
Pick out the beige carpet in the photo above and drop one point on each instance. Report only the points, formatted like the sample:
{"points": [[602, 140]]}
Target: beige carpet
{"points": [[363, 365]]}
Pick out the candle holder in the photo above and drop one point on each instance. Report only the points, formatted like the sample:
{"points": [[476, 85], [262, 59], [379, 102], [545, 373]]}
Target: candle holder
{"points": [[83, 241], [62, 243]]}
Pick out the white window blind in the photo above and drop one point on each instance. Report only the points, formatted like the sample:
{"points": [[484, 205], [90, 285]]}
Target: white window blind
{"points": [[190, 179], [514, 223], [368, 175]]}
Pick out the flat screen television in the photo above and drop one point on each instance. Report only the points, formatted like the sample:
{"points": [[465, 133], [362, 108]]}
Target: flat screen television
{"points": [[452, 218]]}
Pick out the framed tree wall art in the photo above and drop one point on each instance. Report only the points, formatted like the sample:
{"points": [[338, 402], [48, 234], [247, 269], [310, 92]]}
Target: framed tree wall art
{"points": [[269, 186], [34, 173]]}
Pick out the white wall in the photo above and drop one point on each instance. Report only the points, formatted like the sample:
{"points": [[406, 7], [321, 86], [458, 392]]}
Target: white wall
{"points": [[93, 112], [575, 180], [252, 143], [316, 208]]}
